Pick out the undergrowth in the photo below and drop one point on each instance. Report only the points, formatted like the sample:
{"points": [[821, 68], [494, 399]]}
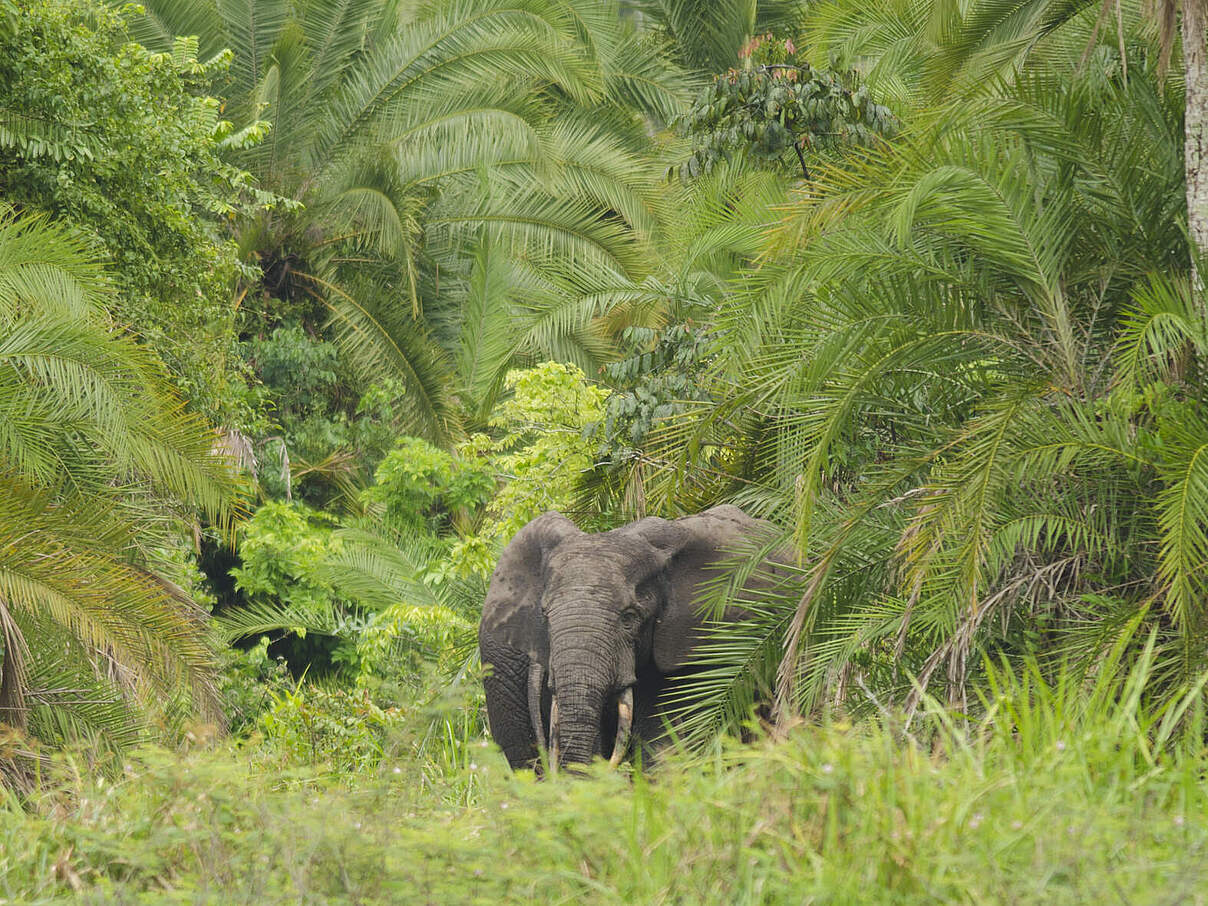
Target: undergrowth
{"points": [[1063, 791]]}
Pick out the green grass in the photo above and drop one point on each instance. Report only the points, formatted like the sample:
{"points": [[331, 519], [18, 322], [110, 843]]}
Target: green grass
{"points": [[1061, 793]]}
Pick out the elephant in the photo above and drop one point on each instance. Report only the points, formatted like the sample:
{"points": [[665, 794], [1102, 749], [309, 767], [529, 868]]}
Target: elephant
{"points": [[582, 633]]}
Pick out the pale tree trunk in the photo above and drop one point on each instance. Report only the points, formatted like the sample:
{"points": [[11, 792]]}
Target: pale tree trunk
{"points": [[1195, 137], [13, 655]]}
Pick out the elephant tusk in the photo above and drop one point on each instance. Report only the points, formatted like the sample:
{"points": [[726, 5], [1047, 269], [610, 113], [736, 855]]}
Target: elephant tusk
{"points": [[535, 677], [554, 747], [624, 723]]}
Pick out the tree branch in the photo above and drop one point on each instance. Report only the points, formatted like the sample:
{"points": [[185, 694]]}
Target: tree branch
{"points": [[801, 157]]}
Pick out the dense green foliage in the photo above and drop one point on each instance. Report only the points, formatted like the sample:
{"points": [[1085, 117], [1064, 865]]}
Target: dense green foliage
{"points": [[912, 280], [474, 178], [128, 147], [1074, 803], [398, 584], [966, 375]]}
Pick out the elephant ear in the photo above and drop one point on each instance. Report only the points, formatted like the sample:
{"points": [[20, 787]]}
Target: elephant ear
{"points": [[695, 546], [511, 614]]}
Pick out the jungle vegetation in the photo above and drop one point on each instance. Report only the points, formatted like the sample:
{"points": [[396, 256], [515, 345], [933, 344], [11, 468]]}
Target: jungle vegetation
{"points": [[306, 306]]}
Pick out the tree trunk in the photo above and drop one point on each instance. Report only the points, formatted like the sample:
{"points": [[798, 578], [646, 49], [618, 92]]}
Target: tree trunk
{"points": [[1195, 148], [12, 672]]}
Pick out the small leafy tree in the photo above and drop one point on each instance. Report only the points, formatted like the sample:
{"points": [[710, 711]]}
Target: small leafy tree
{"points": [[546, 446], [422, 488], [777, 103], [658, 380], [127, 145]]}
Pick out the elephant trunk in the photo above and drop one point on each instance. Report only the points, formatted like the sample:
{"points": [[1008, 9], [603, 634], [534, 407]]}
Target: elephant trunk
{"points": [[590, 671], [575, 722]]}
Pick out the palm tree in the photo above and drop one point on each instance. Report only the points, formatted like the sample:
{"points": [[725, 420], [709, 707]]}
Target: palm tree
{"points": [[101, 468], [468, 177], [708, 37], [966, 378], [1193, 23]]}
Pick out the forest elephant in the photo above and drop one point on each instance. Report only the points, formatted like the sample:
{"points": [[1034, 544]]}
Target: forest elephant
{"points": [[582, 633]]}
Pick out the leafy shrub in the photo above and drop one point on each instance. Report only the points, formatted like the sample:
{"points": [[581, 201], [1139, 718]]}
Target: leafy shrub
{"points": [[342, 730], [283, 549], [286, 551], [326, 441], [399, 640], [545, 444], [127, 146], [422, 488], [249, 681], [304, 371]]}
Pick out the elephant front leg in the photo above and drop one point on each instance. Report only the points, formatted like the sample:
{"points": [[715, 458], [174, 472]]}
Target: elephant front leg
{"points": [[508, 714], [653, 706]]}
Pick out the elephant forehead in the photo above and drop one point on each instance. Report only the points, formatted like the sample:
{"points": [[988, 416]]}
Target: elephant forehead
{"points": [[600, 557]]}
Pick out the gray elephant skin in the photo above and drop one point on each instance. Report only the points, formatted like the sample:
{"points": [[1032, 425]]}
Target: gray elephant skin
{"points": [[582, 633]]}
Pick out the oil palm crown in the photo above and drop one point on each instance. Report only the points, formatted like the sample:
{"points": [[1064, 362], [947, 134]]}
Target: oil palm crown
{"points": [[437, 146], [707, 36], [101, 468], [967, 379]]}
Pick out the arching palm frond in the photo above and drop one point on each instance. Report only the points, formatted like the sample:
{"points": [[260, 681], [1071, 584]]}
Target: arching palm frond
{"points": [[409, 132], [465, 50], [956, 378], [883, 41], [99, 463], [488, 342], [708, 36], [380, 337]]}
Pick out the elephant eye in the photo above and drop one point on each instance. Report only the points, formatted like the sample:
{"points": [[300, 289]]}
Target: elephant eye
{"points": [[630, 617], [648, 593]]}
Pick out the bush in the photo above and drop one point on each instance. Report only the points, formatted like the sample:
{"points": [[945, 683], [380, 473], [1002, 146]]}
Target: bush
{"points": [[421, 488], [1056, 796], [342, 731], [249, 681]]}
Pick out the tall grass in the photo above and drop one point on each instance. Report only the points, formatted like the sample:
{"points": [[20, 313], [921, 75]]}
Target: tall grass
{"points": [[1073, 789]]}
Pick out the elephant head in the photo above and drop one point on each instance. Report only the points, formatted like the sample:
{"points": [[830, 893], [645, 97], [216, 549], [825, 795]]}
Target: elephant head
{"points": [[580, 631]]}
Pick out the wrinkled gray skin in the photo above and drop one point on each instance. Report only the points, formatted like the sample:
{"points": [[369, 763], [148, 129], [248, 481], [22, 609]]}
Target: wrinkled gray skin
{"points": [[584, 617]]}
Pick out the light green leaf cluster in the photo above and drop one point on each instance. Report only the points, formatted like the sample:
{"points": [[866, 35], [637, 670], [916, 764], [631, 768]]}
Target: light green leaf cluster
{"points": [[545, 445], [283, 549], [423, 488], [402, 637]]}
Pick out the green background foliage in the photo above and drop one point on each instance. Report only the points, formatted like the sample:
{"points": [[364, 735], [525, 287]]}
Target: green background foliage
{"points": [[129, 146], [922, 297]]}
